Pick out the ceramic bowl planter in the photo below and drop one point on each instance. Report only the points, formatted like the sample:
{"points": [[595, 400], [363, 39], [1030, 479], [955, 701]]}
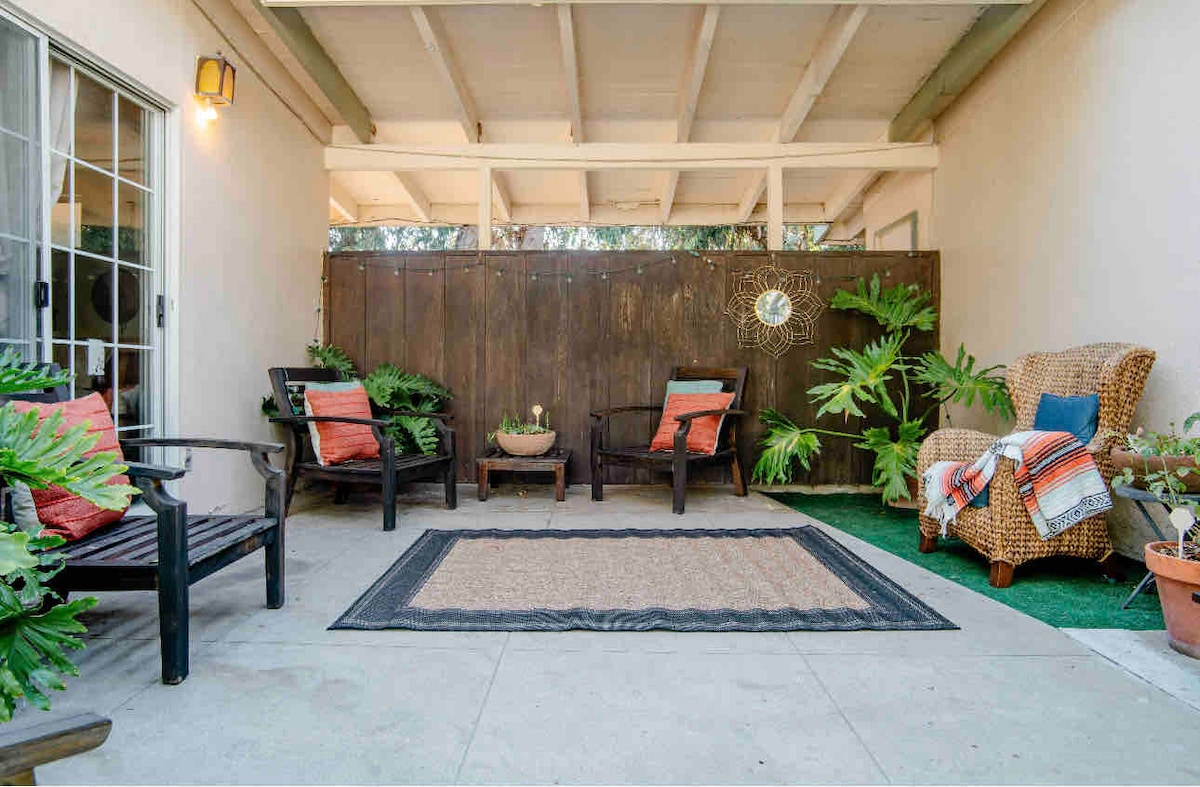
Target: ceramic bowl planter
{"points": [[1177, 580], [534, 444], [1140, 465]]}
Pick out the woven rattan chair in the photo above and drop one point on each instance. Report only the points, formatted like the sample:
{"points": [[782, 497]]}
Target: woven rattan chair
{"points": [[1003, 531]]}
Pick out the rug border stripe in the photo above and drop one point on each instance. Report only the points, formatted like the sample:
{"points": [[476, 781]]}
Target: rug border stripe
{"points": [[384, 605]]}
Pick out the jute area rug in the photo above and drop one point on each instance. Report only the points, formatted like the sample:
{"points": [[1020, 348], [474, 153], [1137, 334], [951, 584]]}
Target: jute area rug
{"points": [[635, 580]]}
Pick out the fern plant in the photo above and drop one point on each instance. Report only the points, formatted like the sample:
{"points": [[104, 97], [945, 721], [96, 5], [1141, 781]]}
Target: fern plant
{"points": [[328, 356], [392, 389], [881, 377], [37, 628]]}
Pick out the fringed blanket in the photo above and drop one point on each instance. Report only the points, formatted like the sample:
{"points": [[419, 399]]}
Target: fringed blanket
{"points": [[1057, 479]]}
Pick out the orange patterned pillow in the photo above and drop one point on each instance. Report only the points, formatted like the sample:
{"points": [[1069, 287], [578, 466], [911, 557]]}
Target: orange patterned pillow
{"points": [[62, 513], [702, 437], [334, 443]]}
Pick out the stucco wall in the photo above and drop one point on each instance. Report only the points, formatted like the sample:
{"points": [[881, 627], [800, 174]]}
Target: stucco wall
{"points": [[1065, 204], [892, 205], [251, 194]]}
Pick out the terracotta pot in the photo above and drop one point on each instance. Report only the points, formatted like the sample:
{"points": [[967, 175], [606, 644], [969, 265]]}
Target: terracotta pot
{"points": [[526, 444], [1138, 463], [1177, 580]]}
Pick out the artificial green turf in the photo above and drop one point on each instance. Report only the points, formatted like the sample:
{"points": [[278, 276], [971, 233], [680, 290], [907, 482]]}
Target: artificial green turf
{"points": [[1064, 592]]}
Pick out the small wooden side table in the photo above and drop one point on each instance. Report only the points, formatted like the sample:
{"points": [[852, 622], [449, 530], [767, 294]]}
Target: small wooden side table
{"points": [[553, 461]]}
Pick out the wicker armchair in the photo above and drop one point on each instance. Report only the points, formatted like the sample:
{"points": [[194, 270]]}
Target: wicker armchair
{"points": [[1002, 531]]}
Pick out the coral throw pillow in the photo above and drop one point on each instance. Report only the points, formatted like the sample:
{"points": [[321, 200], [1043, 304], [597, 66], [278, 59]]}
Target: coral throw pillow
{"points": [[334, 443], [702, 437], [59, 511]]}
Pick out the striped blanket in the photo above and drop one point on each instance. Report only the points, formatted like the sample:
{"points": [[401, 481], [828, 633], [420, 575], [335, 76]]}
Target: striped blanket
{"points": [[1057, 479]]}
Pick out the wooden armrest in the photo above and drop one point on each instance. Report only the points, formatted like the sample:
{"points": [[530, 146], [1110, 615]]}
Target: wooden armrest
{"points": [[415, 414], [153, 472], [699, 413], [629, 408], [25, 748], [307, 419], [203, 442]]}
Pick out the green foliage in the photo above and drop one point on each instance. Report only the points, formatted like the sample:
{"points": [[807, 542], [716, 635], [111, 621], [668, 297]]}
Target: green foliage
{"points": [[1162, 482], [392, 389], [881, 377], [510, 424], [896, 308], [327, 356], [863, 377], [784, 443], [36, 627], [269, 407], [962, 384], [895, 458]]}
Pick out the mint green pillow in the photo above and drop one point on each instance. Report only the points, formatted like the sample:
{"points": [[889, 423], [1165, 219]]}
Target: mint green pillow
{"points": [[691, 387]]}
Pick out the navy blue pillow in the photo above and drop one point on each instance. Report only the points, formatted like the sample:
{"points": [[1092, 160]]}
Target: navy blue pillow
{"points": [[1078, 415]]}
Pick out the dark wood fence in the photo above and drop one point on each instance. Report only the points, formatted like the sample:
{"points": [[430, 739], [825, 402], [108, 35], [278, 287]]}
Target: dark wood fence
{"points": [[506, 330]]}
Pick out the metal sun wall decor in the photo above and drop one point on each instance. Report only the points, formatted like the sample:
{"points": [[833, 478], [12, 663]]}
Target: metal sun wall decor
{"points": [[774, 309]]}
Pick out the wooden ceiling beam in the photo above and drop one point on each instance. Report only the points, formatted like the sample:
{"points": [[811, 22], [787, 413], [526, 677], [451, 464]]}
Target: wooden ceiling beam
{"points": [[570, 57], [835, 40], [377, 3], [911, 156], [342, 201], [414, 195], [689, 97], [295, 34], [429, 27]]}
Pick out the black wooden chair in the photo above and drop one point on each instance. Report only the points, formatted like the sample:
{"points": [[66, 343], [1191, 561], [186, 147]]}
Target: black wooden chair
{"points": [[680, 459], [169, 551], [387, 472]]}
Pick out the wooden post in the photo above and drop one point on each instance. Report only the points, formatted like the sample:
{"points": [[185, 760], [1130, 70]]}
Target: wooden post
{"points": [[485, 208], [775, 207]]}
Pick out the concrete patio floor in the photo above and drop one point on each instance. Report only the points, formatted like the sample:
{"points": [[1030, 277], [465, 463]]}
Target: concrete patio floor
{"points": [[274, 697]]}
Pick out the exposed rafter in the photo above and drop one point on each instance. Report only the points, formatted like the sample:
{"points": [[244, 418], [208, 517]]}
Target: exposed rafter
{"points": [[994, 28], [570, 58], [503, 203], [293, 31], [914, 156], [689, 97], [342, 202], [320, 3], [414, 195], [835, 40], [848, 190], [430, 29]]}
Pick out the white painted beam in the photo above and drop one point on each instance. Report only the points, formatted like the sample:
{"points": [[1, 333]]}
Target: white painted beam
{"points": [[295, 34], [376, 3], [775, 208], [689, 97], [834, 42], [254, 51], [455, 213], [429, 27], [570, 58], [907, 156], [414, 195], [485, 209], [849, 228], [342, 201], [848, 190], [503, 202]]}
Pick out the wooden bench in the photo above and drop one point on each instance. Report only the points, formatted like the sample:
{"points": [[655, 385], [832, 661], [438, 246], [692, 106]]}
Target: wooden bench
{"points": [[171, 551], [27, 743]]}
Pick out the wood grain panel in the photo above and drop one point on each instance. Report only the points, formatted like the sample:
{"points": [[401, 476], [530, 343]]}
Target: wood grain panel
{"points": [[587, 359], [385, 328], [547, 337], [465, 357], [425, 314], [346, 308], [506, 328]]}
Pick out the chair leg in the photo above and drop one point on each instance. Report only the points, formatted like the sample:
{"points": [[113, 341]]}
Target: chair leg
{"points": [[679, 484], [274, 560], [341, 493], [1111, 569], [1001, 575], [597, 469], [739, 477], [450, 481], [387, 451], [928, 544]]}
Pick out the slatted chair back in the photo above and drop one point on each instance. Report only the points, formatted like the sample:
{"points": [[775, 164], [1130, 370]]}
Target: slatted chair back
{"points": [[1115, 371], [733, 379], [287, 385]]}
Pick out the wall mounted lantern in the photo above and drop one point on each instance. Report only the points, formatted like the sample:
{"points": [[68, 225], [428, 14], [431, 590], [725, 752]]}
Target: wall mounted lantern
{"points": [[215, 77]]}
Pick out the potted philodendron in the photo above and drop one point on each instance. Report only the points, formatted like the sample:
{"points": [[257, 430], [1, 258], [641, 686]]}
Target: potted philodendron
{"points": [[882, 376], [1166, 466], [522, 438]]}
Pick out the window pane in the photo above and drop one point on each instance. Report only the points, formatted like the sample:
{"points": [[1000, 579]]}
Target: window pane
{"points": [[131, 140], [18, 80], [60, 107], [93, 192], [16, 186], [93, 299], [60, 294], [133, 366], [64, 215], [16, 267], [131, 223], [93, 122], [132, 305]]}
